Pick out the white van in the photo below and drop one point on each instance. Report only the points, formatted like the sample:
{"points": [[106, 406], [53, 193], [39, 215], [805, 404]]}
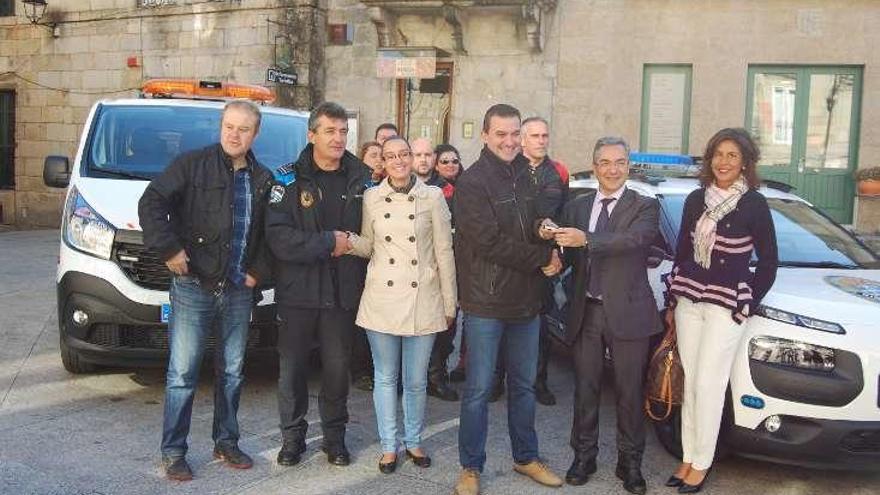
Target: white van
{"points": [[112, 292]]}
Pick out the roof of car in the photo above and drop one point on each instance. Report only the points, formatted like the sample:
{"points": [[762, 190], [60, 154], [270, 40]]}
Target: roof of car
{"points": [[191, 102], [675, 185]]}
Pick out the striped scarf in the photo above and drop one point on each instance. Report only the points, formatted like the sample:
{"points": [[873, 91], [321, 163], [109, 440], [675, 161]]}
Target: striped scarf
{"points": [[719, 202]]}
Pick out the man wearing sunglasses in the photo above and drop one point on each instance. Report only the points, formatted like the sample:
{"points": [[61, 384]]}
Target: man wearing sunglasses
{"points": [[424, 160]]}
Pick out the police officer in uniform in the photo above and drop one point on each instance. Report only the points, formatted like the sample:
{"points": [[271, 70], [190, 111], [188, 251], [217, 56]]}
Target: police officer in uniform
{"points": [[317, 202]]}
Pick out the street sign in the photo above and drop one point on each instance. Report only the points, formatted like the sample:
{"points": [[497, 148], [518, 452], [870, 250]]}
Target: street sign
{"points": [[277, 76]]}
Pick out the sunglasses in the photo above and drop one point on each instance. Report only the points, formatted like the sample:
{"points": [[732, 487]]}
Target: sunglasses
{"points": [[447, 162]]}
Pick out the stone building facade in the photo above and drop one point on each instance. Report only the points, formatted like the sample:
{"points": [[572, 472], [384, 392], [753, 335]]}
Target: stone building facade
{"points": [[665, 75]]}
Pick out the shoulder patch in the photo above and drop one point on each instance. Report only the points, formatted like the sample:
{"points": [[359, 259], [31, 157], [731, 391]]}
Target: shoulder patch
{"points": [[285, 174], [276, 194]]}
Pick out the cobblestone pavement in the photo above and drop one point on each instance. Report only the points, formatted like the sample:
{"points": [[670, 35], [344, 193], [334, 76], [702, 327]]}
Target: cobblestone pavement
{"points": [[99, 434]]}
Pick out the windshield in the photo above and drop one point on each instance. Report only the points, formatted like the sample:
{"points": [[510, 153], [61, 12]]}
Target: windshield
{"points": [[138, 142], [804, 236]]}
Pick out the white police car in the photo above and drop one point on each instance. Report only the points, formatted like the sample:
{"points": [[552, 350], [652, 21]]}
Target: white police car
{"points": [[113, 292], [805, 386]]}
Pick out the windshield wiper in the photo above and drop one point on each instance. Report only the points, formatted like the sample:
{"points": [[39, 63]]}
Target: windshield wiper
{"points": [[120, 173], [817, 264]]}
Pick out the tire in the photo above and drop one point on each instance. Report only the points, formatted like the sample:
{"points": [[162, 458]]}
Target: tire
{"points": [[669, 432]]}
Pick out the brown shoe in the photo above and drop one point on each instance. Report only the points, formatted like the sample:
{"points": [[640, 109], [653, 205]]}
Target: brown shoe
{"points": [[468, 483], [539, 472]]}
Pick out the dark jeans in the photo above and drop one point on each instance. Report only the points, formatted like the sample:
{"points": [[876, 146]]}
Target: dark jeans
{"points": [[520, 349], [195, 313], [334, 329], [361, 356], [544, 345], [444, 344], [629, 358]]}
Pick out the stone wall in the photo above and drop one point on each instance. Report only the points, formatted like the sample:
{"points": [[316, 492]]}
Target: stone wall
{"points": [[58, 79]]}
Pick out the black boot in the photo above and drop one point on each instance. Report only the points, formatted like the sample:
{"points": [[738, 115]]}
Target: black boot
{"points": [[497, 390], [543, 394], [439, 388]]}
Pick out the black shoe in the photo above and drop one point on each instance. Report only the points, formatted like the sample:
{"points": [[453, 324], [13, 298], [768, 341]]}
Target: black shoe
{"points": [[685, 488], [233, 456], [543, 395], [439, 389], [364, 383], [337, 456], [421, 461], [457, 375], [387, 467], [177, 469], [674, 482], [580, 471], [290, 453], [497, 392], [633, 481]]}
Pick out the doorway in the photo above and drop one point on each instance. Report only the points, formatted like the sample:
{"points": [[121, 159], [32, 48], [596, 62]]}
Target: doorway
{"points": [[806, 122], [424, 105]]}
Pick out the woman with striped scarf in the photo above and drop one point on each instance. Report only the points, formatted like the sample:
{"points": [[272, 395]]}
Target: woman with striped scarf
{"points": [[712, 292]]}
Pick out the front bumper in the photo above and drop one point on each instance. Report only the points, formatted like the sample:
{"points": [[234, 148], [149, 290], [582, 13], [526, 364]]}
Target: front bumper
{"points": [[819, 443], [122, 332]]}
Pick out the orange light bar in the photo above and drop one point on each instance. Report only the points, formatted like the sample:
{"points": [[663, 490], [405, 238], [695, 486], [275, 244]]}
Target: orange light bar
{"points": [[170, 88]]}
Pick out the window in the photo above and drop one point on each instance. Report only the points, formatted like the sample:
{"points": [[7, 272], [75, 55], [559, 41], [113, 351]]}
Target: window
{"points": [[7, 7], [7, 139], [666, 108]]}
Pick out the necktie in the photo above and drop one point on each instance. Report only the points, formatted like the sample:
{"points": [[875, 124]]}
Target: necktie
{"points": [[595, 285]]}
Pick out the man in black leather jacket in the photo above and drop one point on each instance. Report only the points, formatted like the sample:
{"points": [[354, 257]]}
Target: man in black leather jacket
{"points": [[499, 262], [317, 201], [204, 216]]}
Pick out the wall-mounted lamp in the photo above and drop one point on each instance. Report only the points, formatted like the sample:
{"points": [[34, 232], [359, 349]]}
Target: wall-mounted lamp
{"points": [[34, 10]]}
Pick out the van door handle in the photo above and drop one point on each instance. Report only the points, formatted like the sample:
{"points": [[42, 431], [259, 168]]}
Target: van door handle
{"points": [[800, 166]]}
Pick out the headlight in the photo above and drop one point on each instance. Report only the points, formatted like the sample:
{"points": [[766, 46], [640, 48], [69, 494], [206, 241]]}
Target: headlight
{"points": [[800, 320], [85, 230], [791, 353]]}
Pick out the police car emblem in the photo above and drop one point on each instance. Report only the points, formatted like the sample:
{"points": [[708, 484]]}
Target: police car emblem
{"points": [[276, 194], [306, 199]]}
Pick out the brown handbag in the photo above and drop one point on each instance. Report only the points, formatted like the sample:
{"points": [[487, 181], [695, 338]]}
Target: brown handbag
{"points": [[664, 384]]}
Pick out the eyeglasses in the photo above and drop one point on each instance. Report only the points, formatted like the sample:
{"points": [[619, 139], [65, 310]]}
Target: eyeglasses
{"points": [[403, 155], [447, 162]]}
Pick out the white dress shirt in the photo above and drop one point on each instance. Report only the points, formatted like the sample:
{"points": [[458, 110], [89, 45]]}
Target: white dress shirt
{"points": [[597, 205]]}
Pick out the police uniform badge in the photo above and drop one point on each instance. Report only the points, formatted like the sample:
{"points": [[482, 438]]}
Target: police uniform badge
{"points": [[276, 194], [306, 199]]}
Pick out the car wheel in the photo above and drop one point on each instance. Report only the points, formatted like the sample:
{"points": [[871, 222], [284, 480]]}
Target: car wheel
{"points": [[70, 358], [668, 432]]}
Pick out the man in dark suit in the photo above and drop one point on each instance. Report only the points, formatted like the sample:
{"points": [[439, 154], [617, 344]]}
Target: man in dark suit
{"points": [[606, 236]]}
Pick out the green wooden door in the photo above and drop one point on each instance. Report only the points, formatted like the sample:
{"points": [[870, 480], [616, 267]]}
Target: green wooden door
{"points": [[806, 121]]}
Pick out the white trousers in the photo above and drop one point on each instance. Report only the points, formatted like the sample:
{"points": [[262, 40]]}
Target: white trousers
{"points": [[708, 339]]}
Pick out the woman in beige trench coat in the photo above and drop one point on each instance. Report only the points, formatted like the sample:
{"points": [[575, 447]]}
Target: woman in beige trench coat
{"points": [[410, 294]]}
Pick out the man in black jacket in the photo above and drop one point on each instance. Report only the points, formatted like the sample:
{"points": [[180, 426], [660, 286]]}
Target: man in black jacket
{"points": [[318, 288], [204, 216], [499, 262], [550, 178]]}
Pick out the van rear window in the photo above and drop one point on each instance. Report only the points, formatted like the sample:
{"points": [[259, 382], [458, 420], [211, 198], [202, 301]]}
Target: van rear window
{"points": [[138, 142]]}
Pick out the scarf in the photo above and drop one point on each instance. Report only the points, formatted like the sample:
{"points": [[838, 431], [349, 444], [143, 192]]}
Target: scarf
{"points": [[719, 202]]}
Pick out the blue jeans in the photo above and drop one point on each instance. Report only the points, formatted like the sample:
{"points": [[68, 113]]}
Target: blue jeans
{"points": [[520, 350], [195, 313], [388, 352]]}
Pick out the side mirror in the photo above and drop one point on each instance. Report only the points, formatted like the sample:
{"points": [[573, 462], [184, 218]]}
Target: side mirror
{"points": [[657, 255], [56, 171]]}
